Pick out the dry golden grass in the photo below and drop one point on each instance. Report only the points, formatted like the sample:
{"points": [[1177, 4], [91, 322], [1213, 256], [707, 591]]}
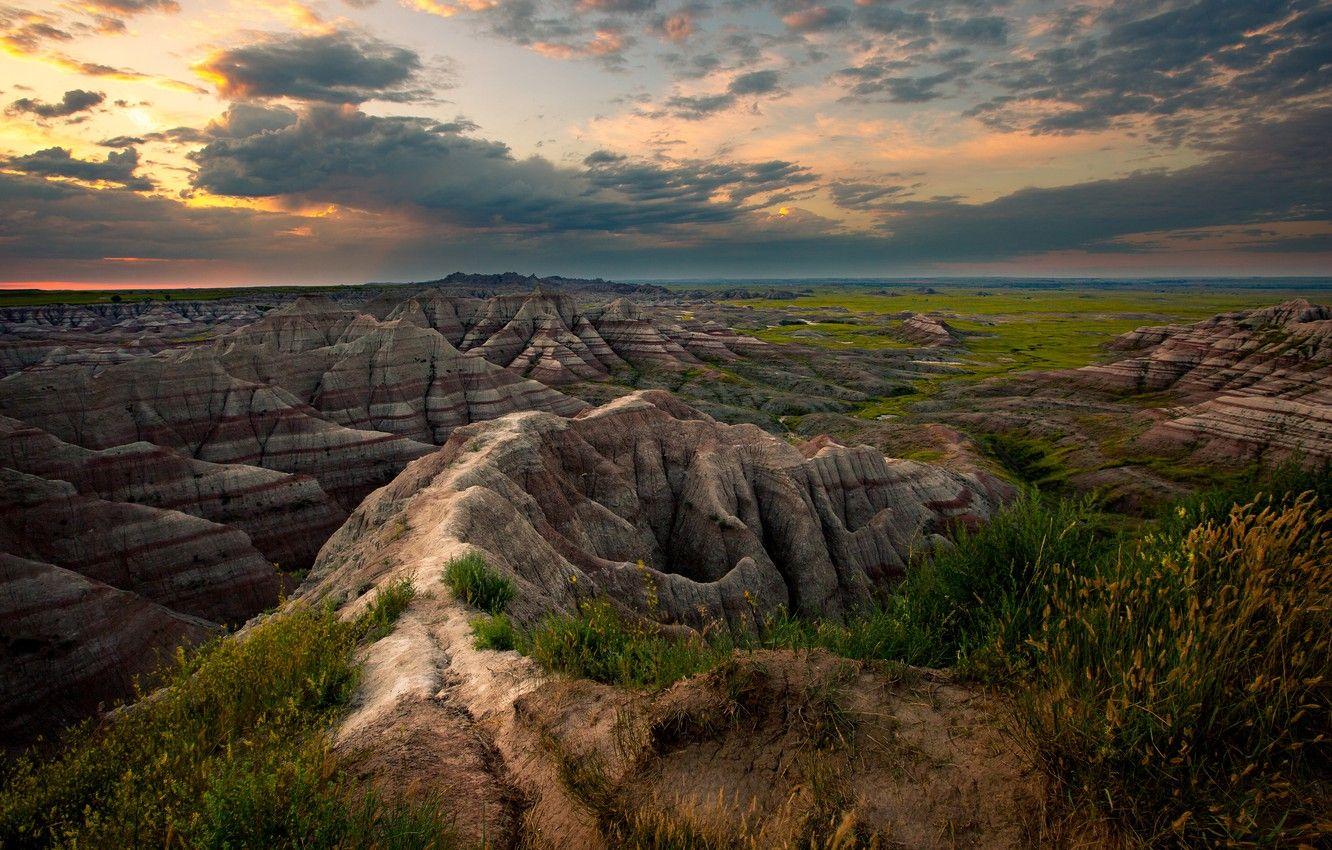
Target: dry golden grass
{"points": [[1184, 688]]}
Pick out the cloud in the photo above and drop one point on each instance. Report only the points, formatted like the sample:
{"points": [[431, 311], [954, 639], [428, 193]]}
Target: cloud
{"points": [[563, 34], [1281, 171], [130, 7], [1194, 69], [878, 81], [59, 162], [755, 82], [816, 18], [696, 107], [342, 156], [862, 195], [75, 100], [676, 27], [337, 67]]}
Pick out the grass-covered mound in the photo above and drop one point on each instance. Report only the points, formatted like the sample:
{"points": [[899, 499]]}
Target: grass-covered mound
{"points": [[1175, 680], [234, 752]]}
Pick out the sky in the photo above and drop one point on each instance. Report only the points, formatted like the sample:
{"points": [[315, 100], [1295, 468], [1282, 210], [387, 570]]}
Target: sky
{"points": [[220, 142]]}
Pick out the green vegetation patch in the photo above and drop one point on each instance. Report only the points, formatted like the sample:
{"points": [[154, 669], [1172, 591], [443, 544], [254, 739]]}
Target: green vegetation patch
{"points": [[475, 582], [832, 335], [601, 644], [494, 631], [234, 752]]}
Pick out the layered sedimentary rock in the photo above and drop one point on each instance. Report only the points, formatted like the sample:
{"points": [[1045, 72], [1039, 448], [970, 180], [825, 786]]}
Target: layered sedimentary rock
{"points": [[1254, 384], [395, 377], [69, 643], [94, 593], [287, 517], [928, 331], [548, 337], [671, 513], [175, 559], [187, 402]]}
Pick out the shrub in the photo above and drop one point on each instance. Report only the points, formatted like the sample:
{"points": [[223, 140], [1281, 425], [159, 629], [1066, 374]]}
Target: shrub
{"points": [[473, 581], [1184, 685], [493, 631], [234, 752]]}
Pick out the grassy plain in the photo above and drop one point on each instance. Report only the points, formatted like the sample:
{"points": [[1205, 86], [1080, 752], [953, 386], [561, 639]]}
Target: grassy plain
{"points": [[1007, 329]]}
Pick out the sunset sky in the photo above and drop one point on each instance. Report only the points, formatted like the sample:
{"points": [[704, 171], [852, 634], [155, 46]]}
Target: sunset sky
{"points": [[259, 141]]}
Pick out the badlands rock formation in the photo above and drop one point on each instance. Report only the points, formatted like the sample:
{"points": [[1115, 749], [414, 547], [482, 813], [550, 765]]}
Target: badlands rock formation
{"points": [[173, 482], [548, 337], [928, 331], [1251, 384], [95, 592], [69, 644], [672, 514], [287, 517], [692, 523]]}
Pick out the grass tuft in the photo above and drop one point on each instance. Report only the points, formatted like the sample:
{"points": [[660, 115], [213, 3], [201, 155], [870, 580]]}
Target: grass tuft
{"points": [[494, 631], [475, 582], [385, 609], [601, 644]]}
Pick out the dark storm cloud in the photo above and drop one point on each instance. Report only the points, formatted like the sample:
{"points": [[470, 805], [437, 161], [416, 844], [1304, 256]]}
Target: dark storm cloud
{"points": [[337, 67], [58, 162], [75, 100], [1275, 172], [343, 156], [697, 182], [1223, 57], [46, 220]]}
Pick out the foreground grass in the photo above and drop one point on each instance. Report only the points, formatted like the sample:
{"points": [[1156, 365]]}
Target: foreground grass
{"points": [[1177, 681], [233, 753]]}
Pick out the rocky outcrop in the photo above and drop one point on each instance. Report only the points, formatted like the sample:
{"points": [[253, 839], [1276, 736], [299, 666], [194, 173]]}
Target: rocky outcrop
{"points": [[69, 643], [287, 517], [1253, 384], [665, 510], [394, 377], [188, 403], [928, 331], [177, 560], [94, 593], [694, 524], [548, 337]]}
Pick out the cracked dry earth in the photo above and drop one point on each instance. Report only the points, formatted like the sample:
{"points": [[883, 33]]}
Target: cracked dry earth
{"points": [[768, 750]]}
